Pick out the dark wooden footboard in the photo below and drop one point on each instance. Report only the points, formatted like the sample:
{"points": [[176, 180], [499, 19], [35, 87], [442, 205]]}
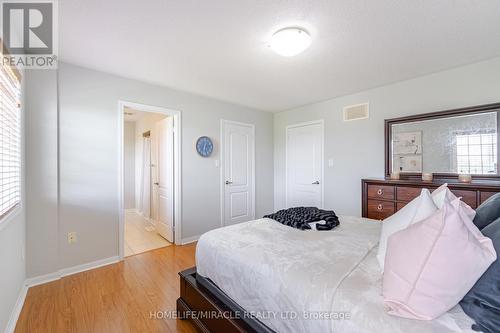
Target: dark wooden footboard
{"points": [[210, 310]]}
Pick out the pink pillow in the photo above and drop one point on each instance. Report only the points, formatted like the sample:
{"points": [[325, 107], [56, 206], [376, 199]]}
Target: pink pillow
{"points": [[432, 264]]}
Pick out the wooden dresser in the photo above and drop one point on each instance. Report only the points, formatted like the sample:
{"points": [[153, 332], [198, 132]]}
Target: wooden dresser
{"points": [[381, 198]]}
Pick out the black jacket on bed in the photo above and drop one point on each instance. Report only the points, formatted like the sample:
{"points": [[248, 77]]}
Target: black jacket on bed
{"points": [[300, 217]]}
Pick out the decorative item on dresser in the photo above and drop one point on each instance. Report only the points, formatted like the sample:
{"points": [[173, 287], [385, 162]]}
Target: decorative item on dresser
{"points": [[381, 198]]}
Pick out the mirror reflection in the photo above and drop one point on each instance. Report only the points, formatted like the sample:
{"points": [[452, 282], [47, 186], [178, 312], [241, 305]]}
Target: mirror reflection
{"points": [[455, 144]]}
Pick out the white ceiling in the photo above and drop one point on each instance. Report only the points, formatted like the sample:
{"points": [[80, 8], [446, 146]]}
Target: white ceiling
{"points": [[217, 48]]}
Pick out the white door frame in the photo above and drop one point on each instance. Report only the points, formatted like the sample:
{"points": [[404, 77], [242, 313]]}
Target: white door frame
{"points": [[177, 168], [222, 167], [320, 122]]}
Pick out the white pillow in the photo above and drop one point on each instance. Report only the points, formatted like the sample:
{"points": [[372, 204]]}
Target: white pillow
{"points": [[416, 210], [443, 194]]}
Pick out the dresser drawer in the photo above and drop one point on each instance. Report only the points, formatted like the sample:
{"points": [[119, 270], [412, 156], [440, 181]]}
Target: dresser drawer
{"points": [[381, 192], [469, 197], [486, 195], [407, 193], [382, 198], [379, 210], [400, 205]]}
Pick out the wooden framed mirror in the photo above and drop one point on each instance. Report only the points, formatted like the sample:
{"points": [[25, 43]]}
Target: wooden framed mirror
{"points": [[444, 143]]}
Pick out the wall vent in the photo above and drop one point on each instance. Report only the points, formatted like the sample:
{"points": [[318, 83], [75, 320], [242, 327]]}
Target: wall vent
{"points": [[356, 112]]}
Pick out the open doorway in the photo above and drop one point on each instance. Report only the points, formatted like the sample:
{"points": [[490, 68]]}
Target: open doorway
{"points": [[149, 178]]}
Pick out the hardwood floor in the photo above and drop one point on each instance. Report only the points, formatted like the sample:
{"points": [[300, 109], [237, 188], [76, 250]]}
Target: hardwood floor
{"points": [[123, 297]]}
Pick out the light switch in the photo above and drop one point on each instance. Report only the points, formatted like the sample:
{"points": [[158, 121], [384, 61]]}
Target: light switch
{"points": [[330, 162], [216, 163]]}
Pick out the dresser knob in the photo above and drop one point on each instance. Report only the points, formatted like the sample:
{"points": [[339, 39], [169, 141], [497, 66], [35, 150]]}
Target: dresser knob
{"points": [[380, 207], [380, 191]]}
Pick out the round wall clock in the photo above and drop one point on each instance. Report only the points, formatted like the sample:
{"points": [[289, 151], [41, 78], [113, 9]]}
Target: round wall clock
{"points": [[204, 146]]}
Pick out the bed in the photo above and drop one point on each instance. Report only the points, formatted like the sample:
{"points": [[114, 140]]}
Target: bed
{"points": [[288, 280]]}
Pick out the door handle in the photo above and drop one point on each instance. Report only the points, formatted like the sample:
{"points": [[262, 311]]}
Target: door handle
{"points": [[157, 183], [228, 182], [315, 183]]}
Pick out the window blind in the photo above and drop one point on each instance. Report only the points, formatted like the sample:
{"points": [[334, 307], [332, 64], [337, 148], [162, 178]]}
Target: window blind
{"points": [[477, 153], [10, 140]]}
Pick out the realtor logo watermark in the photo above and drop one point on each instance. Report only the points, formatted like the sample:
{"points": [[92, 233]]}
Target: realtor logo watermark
{"points": [[29, 34]]}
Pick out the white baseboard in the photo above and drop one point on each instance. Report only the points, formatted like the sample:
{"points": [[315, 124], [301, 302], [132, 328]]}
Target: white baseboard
{"points": [[41, 279], [69, 271], [16, 311], [189, 240], [88, 266]]}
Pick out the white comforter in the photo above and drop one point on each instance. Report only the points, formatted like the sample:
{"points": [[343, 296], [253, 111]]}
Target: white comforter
{"points": [[308, 281]]}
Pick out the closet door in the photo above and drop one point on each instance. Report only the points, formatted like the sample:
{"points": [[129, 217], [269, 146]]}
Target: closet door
{"points": [[304, 165], [238, 172]]}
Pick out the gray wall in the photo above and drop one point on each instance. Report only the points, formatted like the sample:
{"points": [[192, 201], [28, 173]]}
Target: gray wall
{"points": [[88, 165], [129, 165], [41, 172], [12, 250], [357, 147]]}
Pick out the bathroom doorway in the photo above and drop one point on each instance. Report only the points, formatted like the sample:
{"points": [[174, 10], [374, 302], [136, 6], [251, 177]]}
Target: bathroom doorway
{"points": [[148, 179]]}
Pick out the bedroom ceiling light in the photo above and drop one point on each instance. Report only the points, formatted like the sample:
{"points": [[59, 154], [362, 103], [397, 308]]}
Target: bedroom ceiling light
{"points": [[289, 42]]}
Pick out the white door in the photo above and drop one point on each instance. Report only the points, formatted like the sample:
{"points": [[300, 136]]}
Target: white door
{"points": [[304, 165], [238, 172], [165, 180], [154, 174]]}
